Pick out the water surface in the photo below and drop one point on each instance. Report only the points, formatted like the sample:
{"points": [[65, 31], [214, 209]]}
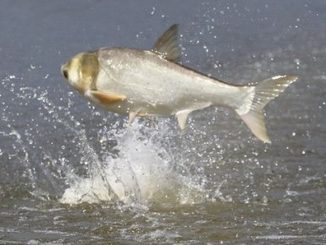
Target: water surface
{"points": [[72, 173]]}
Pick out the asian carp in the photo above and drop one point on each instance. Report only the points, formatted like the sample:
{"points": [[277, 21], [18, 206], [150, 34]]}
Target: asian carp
{"points": [[151, 82]]}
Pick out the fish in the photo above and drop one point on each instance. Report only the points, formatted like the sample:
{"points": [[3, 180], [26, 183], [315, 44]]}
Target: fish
{"points": [[152, 82]]}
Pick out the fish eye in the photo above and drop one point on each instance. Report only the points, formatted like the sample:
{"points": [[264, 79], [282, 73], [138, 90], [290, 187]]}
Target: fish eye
{"points": [[65, 74]]}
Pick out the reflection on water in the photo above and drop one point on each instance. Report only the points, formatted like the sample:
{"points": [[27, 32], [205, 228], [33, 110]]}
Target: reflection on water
{"points": [[72, 172]]}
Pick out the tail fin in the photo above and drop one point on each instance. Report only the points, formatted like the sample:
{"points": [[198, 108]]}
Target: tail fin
{"points": [[263, 93]]}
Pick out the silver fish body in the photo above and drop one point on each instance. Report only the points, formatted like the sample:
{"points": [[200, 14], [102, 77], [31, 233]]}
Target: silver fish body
{"points": [[153, 85], [151, 82]]}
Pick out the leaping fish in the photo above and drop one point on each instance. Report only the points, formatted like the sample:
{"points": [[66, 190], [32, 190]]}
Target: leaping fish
{"points": [[152, 82]]}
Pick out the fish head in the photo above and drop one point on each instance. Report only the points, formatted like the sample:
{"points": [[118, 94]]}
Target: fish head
{"points": [[81, 71]]}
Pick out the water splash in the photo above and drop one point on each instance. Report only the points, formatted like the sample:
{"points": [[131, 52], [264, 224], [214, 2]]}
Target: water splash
{"points": [[143, 171], [142, 163]]}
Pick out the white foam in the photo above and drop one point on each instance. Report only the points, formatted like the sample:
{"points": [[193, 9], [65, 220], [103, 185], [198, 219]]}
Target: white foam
{"points": [[143, 172]]}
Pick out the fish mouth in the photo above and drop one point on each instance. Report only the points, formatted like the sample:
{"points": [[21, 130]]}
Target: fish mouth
{"points": [[64, 71]]}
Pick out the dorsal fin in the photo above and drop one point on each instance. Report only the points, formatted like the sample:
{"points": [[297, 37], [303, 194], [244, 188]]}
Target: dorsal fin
{"points": [[167, 45]]}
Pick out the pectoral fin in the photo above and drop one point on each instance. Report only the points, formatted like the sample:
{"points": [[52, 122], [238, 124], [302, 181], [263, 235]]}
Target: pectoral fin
{"points": [[182, 118], [105, 98], [167, 45]]}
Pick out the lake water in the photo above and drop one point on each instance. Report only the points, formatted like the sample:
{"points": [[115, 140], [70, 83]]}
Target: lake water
{"points": [[72, 173]]}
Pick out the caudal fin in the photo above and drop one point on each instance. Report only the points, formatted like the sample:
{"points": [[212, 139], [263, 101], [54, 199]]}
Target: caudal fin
{"points": [[260, 95]]}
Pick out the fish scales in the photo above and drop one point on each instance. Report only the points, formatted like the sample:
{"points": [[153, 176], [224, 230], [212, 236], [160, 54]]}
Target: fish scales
{"points": [[152, 82]]}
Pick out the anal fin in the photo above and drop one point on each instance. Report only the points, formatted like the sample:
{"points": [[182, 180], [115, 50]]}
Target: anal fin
{"points": [[182, 118], [182, 115]]}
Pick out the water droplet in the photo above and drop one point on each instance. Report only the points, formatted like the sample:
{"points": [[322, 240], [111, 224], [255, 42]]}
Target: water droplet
{"points": [[153, 11]]}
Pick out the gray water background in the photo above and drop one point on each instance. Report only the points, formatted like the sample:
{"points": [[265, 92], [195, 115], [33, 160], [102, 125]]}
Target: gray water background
{"points": [[213, 183]]}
